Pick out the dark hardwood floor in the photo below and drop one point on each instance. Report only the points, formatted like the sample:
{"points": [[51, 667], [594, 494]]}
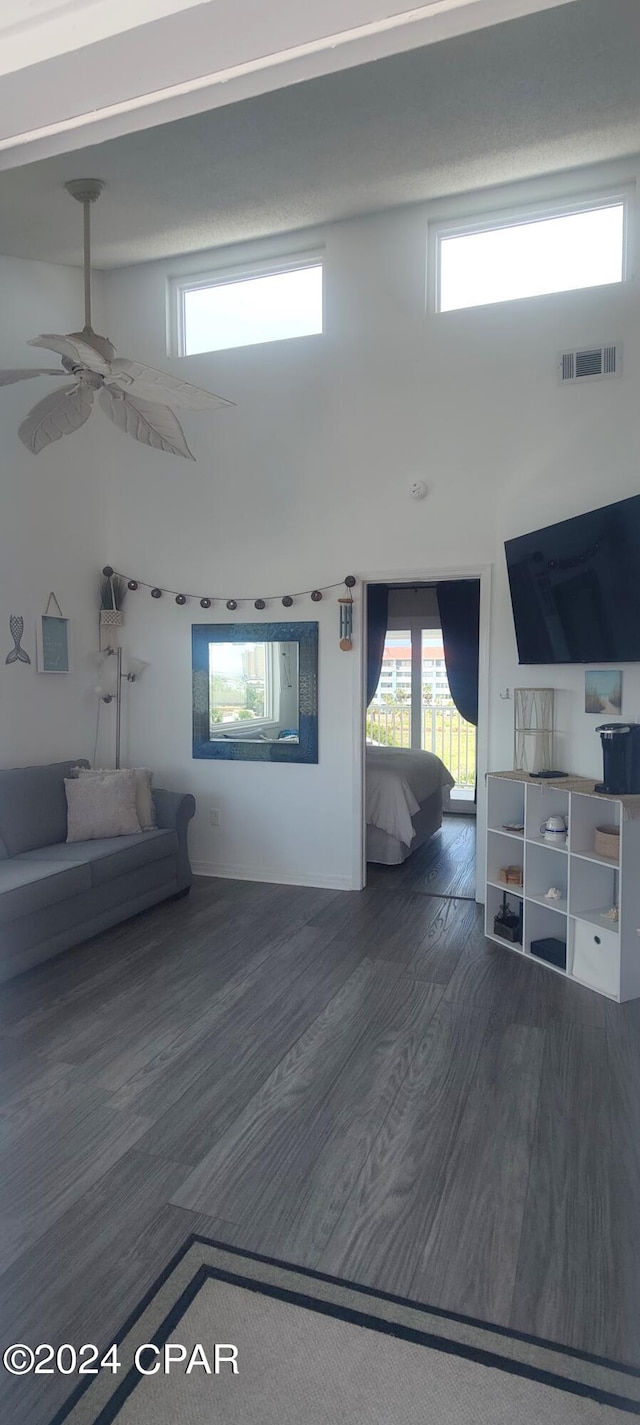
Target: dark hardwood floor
{"points": [[444, 866], [356, 1082]]}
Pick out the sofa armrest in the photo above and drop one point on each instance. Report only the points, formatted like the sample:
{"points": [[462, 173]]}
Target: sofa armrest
{"points": [[174, 811]]}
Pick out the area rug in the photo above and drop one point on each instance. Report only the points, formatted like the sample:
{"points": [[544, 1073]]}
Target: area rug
{"points": [[285, 1346]]}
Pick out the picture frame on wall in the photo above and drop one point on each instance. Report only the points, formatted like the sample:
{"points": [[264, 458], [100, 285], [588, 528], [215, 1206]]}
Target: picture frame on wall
{"points": [[53, 643], [603, 691]]}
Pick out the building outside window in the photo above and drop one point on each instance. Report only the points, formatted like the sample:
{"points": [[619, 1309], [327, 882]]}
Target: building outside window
{"points": [[416, 665]]}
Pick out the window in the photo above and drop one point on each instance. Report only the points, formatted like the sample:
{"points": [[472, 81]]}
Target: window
{"points": [[416, 709], [531, 255], [216, 313]]}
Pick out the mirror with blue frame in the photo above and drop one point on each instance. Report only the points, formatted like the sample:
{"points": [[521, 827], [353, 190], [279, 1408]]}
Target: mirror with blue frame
{"points": [[255, 691]]}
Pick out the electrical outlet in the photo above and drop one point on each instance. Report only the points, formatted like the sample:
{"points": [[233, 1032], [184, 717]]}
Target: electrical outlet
{"points": [[214, 816]]}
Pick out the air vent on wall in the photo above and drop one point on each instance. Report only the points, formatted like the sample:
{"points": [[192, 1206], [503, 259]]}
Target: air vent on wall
{"points": [[591, 363]]}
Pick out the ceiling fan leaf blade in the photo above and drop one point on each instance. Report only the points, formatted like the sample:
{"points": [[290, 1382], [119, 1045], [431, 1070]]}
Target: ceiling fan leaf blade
{"points": [[7, 378], [51, 341], [90, 355], [149, 422], [78, 351], [64, 411], [148, 384]]}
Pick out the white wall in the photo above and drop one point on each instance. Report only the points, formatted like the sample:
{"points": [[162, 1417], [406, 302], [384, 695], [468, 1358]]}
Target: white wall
{"points": [[305, 480], [308, 479], [50, 531]]}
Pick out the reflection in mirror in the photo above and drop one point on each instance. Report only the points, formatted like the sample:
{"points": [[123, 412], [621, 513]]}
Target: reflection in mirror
{"points": [[253, 691]]}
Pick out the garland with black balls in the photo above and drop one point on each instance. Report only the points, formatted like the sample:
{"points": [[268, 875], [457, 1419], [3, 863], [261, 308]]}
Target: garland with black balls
{"points": [[208, 601]]}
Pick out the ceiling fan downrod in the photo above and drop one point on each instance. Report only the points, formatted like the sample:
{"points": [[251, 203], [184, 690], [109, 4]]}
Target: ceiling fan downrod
{"points": [[86, 191]]}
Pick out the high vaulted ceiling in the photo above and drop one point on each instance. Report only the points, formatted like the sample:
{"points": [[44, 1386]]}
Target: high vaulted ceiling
{"points": [[74, 72], [544, 93]]}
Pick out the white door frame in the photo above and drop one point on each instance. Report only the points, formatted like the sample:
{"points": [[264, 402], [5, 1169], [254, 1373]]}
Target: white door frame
{"points": [[429, 575]]}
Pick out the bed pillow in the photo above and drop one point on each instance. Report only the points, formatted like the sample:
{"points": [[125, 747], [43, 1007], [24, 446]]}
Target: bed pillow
{"points": [[101, 806], [144, 796]]}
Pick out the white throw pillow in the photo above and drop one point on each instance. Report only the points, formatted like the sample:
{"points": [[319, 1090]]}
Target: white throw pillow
{"points": [[101, 806], [144, 796], [144, 799]]}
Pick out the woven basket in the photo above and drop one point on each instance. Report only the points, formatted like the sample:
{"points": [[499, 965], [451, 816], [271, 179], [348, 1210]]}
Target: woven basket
{"points": [[114, 618], [607, 842], [110, 621]]}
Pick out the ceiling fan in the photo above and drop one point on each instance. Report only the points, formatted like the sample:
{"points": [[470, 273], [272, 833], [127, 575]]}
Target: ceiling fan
{"points": [[138, 399]]}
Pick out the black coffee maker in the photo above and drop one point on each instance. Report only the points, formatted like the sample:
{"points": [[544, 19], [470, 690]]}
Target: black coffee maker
{"points": [[621, 757]]}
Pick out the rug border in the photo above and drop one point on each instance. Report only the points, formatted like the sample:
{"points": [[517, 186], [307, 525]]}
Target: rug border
{"points": [[413, 1305], [428, 1339]]}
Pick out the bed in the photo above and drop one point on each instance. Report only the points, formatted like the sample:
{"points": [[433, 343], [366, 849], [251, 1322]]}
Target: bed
{"points": [[404, 796]]}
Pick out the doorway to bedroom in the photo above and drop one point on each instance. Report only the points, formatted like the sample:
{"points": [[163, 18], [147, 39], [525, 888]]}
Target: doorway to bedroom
{"points": [[421, 736]]}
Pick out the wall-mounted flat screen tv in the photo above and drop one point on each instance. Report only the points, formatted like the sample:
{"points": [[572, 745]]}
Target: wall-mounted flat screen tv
{"points": [[575, 588]]}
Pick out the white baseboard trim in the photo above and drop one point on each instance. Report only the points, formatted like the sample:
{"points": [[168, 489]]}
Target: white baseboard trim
{"points": [[273, 876]]}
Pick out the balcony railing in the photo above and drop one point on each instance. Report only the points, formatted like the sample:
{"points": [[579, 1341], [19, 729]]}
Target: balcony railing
{"points": [[444, 732]]}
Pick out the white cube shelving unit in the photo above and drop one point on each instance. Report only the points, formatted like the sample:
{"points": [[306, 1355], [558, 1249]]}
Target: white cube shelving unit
{"points": [[600, 953]]}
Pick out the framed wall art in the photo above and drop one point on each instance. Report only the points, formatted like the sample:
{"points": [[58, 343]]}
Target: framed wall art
{"points": [[603, 691], [53, 649]]}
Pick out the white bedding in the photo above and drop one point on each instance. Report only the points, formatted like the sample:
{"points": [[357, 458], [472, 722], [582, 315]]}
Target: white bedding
{"points": [[398, 780]]}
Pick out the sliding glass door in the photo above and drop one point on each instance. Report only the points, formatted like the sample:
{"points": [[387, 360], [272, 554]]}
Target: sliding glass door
{"points": [[413, 707], [443, 730], [389, 715]]}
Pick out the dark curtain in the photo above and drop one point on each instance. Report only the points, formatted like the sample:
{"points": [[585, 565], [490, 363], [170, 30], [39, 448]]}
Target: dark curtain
{"points": [[459, 605], [377, 613]]}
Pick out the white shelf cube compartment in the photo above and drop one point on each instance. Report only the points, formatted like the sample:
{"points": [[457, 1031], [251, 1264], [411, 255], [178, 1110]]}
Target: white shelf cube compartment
{"points": [[542, 923], [545, 870], [587, 814], [503, 851], [543, 802], [492, 906], [594, 957], [593, 888], [505, 803], [601, 919]]}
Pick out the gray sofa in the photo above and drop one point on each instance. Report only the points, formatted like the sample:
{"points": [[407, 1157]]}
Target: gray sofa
{"points": [[53, 895]]}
